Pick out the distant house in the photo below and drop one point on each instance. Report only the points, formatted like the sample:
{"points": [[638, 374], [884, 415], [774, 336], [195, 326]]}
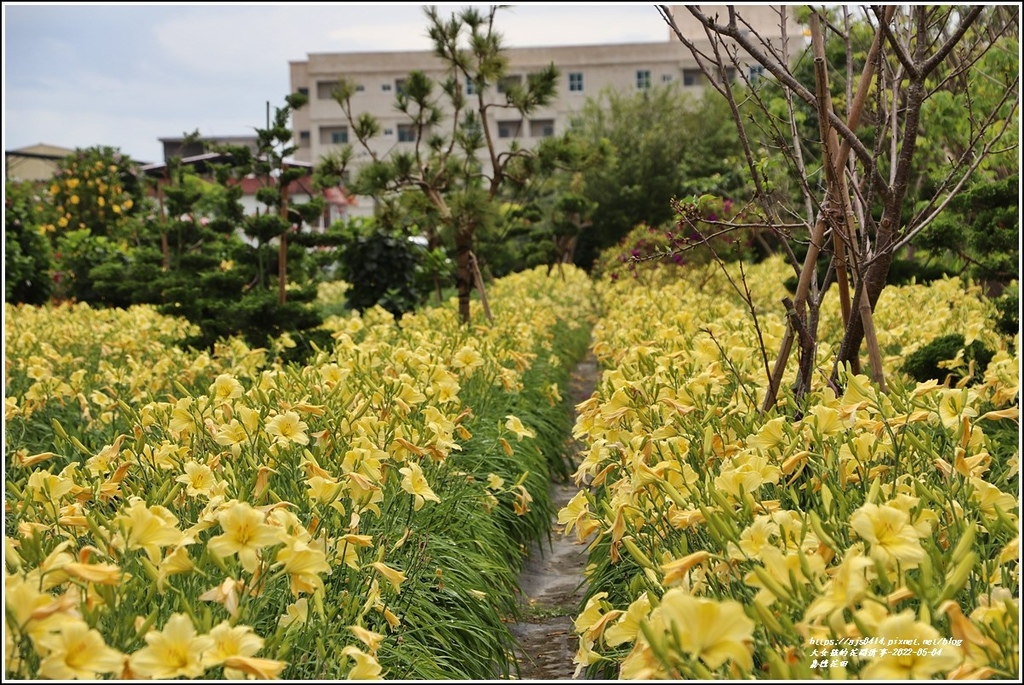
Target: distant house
{"points": [[338, 200], [176, 147], [33, 163]]}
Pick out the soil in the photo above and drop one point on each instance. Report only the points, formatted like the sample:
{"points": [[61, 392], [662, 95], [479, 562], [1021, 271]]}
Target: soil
{"points": [[552, 580]]}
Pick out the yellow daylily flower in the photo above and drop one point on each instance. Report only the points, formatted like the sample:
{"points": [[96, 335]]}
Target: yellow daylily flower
{"points": [[74, 651], [172, 652], [303, 564], [288, 427], [514, 424], [908, 663], [225, 388], [366, 666], [149, 528], [396, 578], [892, 538], [415, 483], [245, 534], [627, 627], [713, 631]]}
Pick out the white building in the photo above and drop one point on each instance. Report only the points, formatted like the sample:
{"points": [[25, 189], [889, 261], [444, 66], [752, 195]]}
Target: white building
{"points": [[585, 71]]}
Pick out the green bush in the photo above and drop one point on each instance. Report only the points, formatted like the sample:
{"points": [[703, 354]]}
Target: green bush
{"points": [[923, 364], [28, 259], [383, 267], [1008, 308]]}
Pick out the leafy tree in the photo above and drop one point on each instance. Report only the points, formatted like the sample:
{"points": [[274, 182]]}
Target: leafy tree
{"points": [[865, 180], [542, 222], [283, 216], [28, 258], [455, 162], [664, 144]]}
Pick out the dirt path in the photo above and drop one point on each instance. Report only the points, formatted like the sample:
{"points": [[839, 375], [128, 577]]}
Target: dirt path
{"points": [[552, 579]]}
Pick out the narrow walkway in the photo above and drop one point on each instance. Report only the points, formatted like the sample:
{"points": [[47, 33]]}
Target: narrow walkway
{"points": [[552, 579]]}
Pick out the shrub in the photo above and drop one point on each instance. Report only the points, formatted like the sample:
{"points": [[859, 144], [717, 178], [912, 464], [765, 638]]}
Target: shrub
{"points": [[28, 259], [927, 362]]}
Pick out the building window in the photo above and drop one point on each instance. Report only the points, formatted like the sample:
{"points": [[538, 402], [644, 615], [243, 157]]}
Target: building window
{"points": [[325, 90], [406, 133], [304, 91], [692, 77], [505, 83], [755, 73], [575, 82], [360, 88], [666, 78], [304, 138], [385, 86], [643, 79], [542, 128], [333, 135], [389, 131], [400, 85], [470, 86], [509, 129]]}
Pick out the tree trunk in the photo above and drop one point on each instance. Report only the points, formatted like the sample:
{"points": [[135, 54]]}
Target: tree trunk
{"points": [[282, 259], [877, 273], [463, 269]]}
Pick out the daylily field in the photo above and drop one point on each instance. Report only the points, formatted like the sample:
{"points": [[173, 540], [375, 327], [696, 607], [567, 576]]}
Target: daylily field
{"points": [[170, 513]]}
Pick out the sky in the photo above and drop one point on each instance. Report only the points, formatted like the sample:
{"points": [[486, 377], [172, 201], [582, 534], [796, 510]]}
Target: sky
{"points": [[126, 75]]}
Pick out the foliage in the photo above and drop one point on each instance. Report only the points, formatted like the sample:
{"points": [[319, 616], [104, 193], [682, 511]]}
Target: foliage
{"points": [[28, 258], [1008, 308], [981, 227], [79, 253], [663, 144], [385, 269], [946, 357]]}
